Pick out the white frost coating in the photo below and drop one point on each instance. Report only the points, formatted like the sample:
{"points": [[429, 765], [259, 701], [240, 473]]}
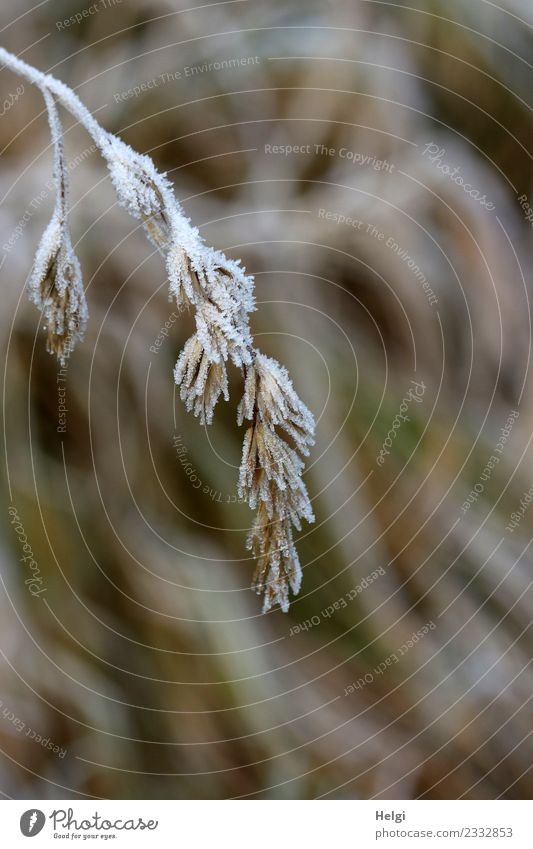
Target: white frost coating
{"points": [[201, 380], [55, 285], [222, 295], [270, 476]]}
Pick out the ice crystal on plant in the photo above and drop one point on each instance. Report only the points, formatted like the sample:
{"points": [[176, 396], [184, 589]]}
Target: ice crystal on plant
{"points": [[220, 337], [269, 388], [182, 279], [56, 287], [270, 480]]}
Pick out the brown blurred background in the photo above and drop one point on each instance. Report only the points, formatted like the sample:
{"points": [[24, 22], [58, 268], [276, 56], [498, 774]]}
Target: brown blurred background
{"points": [[145, 661]]}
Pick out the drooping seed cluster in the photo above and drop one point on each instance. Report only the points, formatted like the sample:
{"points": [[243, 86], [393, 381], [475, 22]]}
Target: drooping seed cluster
{"points": [[218, 288], [270, 476], [222, 295]]}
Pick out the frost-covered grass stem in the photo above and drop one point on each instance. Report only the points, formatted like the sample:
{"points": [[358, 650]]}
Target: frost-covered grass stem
{"points": [[221, 295]]}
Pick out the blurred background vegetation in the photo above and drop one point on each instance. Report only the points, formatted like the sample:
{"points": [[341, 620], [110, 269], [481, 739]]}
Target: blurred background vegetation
{"points": [[147, 658]]}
